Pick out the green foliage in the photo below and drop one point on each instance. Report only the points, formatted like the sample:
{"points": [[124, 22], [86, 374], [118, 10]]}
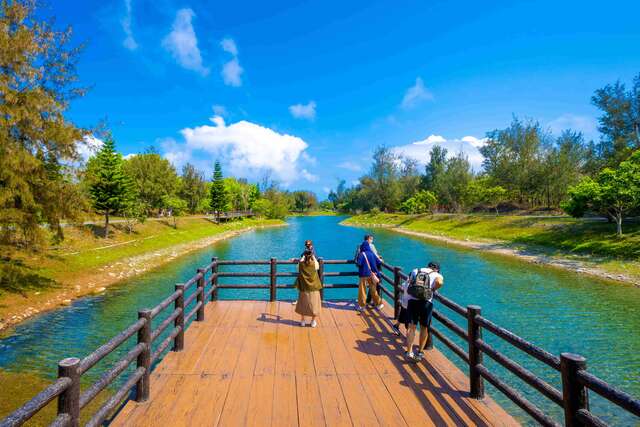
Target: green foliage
{"points": [[240, 194], [218, 193], [481, 191], [422, 202], [176, 207], [110, 188], [192, 187], [304, 201], [154, 178], [37, 77], [614, 192], [620, 121]]}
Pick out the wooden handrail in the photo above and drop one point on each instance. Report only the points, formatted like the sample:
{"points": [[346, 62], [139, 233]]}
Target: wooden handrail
{"points": [[576, 380]]}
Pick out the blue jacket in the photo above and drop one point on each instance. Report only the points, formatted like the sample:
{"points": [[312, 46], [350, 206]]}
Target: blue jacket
{"points": [[374, 262]]}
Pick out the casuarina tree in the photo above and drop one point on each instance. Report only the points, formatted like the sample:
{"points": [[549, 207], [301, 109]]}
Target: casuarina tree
{"points": [[110, 188], [218, 194]]}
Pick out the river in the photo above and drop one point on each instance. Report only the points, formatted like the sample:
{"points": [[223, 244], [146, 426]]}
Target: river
{"points": [[556, 310]]}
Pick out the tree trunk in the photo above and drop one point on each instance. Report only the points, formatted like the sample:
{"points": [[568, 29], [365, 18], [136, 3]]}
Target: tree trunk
{"points": [[619, 224], [106, 224]]}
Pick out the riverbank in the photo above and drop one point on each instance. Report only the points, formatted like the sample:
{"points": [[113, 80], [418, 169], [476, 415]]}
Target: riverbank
{"points": [[87, 264], [584, 247]]}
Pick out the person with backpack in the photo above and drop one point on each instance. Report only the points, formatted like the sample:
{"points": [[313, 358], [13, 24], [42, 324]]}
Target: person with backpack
{"points": [[308, 285], [368, 270], [422, 283]]}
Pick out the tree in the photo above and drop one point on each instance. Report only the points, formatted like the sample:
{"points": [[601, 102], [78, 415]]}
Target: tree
{"points": [[435, 167], [381, 185], [192, 187], [480, 190], [620, 121], [614, 192], [110, 188], [176, 207], [304, 201], [154, 178], [451, 185], [218, 194], [422, 202], [37, 142]]}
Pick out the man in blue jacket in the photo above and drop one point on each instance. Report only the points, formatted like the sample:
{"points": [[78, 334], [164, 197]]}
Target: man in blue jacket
{"points": [[368, 270]]}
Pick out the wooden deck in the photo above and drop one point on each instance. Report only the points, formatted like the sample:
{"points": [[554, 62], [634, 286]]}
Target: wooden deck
{"points": [[250, 363]]}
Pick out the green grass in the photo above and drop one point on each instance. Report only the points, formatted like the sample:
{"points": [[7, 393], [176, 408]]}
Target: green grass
{"points": [[574, 236]]}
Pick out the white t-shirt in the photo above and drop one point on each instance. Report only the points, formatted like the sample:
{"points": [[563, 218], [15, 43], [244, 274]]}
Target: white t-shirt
{"points": [[433, 276]]}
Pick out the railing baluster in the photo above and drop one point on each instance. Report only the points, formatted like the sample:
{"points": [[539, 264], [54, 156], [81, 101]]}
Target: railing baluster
{"points": [[214, 278], [474, 332], [272, 283], [178, 343], [396, 291], [200, 296], [575, 395], [321, 275], [144, 358], [69, 400]]}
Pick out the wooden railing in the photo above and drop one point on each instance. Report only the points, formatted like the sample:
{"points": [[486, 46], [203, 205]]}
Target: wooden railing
{"points": [[188, 302]]}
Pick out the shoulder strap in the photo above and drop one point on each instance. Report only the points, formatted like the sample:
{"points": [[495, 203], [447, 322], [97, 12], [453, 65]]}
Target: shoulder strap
{"points": [[364, 254]]}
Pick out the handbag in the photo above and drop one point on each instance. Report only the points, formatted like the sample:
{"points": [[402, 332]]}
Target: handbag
{"points": [[374, 279]]}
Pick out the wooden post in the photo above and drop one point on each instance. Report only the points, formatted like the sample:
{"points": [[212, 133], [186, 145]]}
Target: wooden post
{"points": [[321, 275], [574, 395], [178, 342], [69, 400], [144, 358], [474, 332], [272, 284], [214, 278], [396, 291], [200, 296]]}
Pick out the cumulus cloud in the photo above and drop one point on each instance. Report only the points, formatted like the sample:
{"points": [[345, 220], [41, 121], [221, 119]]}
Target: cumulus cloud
{"points": [[88, 147], [468, 145], [586, 125], [416, 94], [247, 150], [231, 70], [182, 42], [303, 111], [129, 41]]}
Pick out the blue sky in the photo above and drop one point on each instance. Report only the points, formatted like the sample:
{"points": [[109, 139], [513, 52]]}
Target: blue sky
{"points": [[307, 90]]}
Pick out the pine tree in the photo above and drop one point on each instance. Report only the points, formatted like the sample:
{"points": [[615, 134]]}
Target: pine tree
{"points": [[110, 188], [218, 193], [37, 142]]}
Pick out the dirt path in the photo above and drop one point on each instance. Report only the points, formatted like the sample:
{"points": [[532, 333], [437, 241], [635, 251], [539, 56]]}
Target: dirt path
{"points": [[578, 266], [96, 281]]}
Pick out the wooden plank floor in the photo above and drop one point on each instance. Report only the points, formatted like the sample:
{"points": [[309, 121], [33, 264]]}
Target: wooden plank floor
{"points": [[250, 363]]}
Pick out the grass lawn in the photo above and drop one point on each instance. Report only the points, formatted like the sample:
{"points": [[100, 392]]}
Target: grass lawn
{"points": [[557, 235], [27, 278]]}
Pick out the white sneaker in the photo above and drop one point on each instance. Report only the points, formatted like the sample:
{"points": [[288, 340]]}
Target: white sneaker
{"points": [[314, 324], [303, 323], [380, 307]]}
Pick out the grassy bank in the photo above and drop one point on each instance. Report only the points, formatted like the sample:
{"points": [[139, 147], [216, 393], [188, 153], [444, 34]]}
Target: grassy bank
{"points": [[85, 262], [589, 241]]}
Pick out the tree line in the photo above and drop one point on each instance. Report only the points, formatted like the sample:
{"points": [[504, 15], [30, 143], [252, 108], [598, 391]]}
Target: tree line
{"points": [[524, 167]]}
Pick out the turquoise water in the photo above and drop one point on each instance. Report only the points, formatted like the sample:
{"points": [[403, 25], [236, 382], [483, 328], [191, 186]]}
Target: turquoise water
{"points": [[558, 311]]}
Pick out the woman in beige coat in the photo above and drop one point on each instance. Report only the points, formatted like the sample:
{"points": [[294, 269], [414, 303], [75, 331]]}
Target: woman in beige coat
{"points": [[308, 284]]}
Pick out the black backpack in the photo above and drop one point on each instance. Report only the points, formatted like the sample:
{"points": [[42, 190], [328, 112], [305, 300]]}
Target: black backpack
{"points": [[420, 287]]}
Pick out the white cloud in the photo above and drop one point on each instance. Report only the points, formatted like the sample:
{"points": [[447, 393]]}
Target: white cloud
{"points": [[247, 150], [326, 190], [586, 125], [220, 110], [303, 111], [468, 145], [183, 43], [88, 147], [349, 165], [129, 41], [231, 70], [416, 94], [229, 45]]}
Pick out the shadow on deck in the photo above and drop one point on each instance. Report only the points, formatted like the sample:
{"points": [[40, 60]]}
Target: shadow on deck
{"points": [[250, 363]]}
